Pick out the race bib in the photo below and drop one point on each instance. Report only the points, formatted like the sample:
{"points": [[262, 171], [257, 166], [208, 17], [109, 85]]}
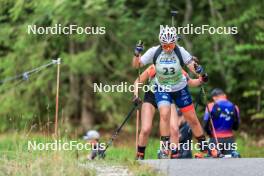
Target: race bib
{"points": [[168, 69]]}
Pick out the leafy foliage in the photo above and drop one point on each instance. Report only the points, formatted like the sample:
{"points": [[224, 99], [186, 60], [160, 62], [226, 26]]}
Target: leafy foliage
{"points": [[233, 62]]}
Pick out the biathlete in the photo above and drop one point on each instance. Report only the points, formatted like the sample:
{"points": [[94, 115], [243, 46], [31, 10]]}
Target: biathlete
{"points": [[171, 85], [148, 110], [225, 117]]}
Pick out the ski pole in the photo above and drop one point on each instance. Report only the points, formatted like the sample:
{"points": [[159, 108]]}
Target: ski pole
{"points": [[210, 116], [138, 115], [173, 14], [117, 131], [200, 71], [138, 50], [198, 99]]}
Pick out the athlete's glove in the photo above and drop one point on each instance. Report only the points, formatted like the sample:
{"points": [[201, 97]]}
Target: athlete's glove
{"points": [[136, 100], [139, 48], [204, 78], [198, 69]]}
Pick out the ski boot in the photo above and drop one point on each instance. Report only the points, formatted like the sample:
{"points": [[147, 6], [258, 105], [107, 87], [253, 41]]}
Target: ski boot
{"points": [[140, 156]]}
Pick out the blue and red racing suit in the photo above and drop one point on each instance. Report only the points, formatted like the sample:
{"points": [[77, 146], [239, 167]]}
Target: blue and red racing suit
{"points": [[225, 117]]}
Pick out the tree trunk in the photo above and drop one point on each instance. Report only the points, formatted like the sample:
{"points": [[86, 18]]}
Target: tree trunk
{"points": [[216, 44], [87, 115], [187, 16], [73, 105]]}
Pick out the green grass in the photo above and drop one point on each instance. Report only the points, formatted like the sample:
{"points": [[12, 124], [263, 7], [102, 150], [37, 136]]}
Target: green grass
{"points": [[127, 152], [248, 150], [15, 159]]}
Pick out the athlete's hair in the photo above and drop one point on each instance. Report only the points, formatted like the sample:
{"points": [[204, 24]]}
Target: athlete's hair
{"points": [[216, 92]]}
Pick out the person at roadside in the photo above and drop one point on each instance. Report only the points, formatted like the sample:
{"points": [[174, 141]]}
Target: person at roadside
{"points": [[225, 119], [92, 137]]}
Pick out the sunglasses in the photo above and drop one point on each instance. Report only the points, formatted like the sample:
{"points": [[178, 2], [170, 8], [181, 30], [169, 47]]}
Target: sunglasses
{"points": [[168, 47]]}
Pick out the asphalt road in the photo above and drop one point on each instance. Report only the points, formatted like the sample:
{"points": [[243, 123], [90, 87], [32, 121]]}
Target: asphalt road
{"points": [[209, 167]]}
